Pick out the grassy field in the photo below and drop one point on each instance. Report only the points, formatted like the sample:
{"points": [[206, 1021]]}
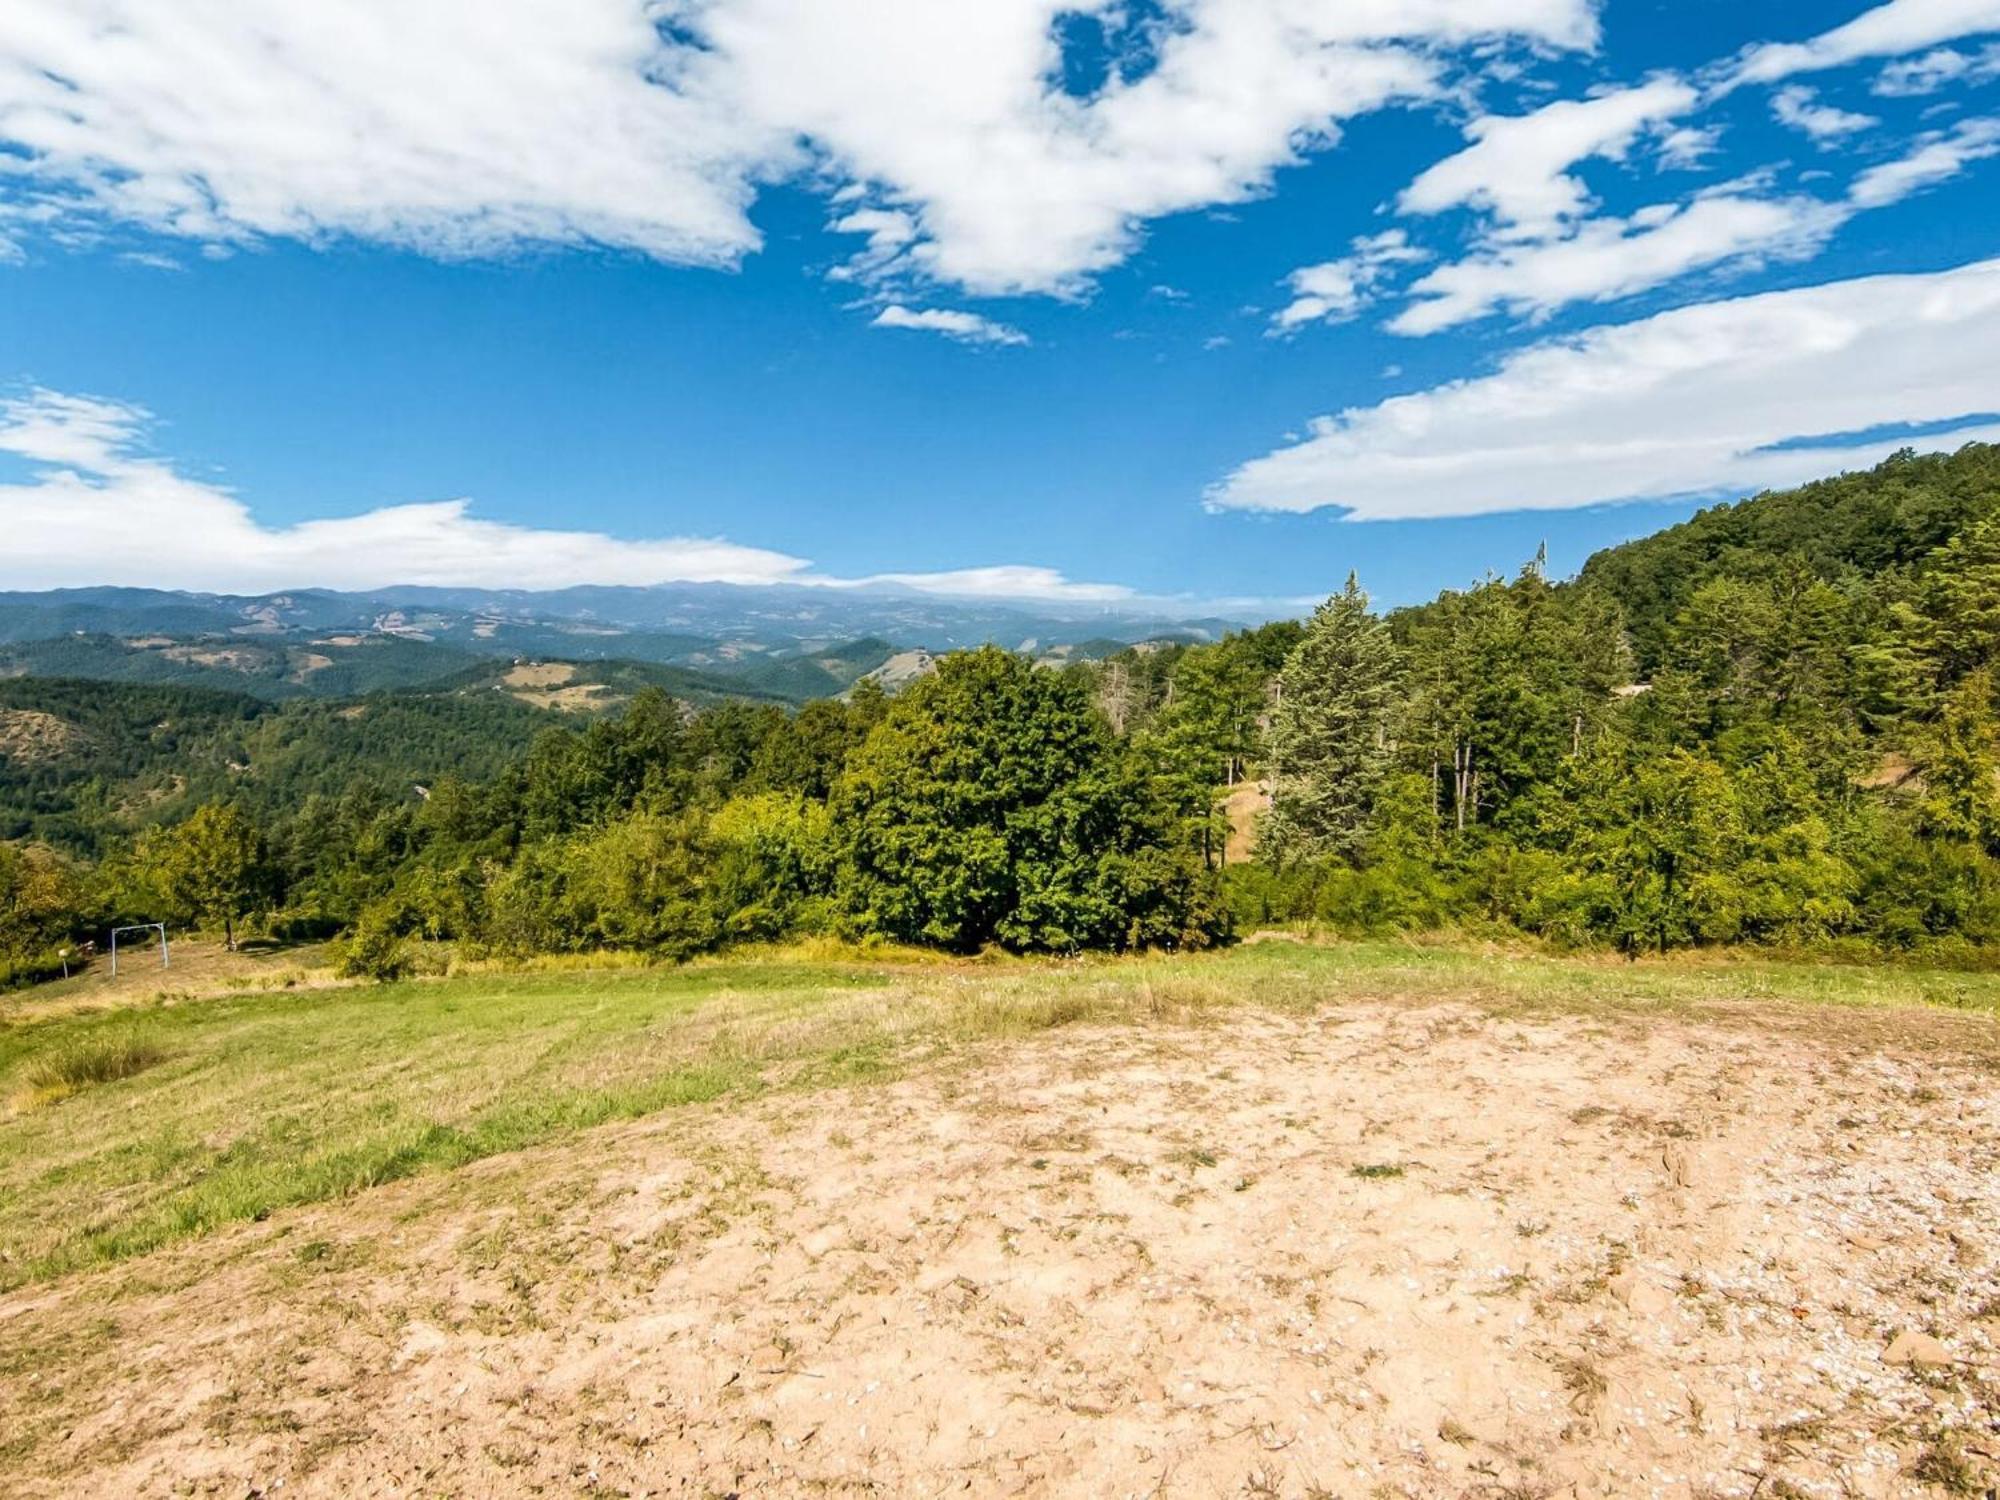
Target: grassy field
{"points": [[133, 1127]]}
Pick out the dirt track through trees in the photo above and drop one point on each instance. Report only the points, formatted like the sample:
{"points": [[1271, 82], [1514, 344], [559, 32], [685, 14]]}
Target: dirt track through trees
{"points": [[1378, 1250]]}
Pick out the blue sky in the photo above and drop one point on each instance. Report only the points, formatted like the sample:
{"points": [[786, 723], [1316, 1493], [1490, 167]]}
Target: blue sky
{"points": [[1021, 298]]}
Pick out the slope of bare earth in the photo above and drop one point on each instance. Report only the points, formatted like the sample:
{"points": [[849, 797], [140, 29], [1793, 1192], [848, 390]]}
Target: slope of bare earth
{"points": [[1377, 1249], [27, 735]]}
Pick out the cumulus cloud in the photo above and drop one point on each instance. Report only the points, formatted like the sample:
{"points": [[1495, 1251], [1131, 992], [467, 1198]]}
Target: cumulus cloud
{"points": [[966, 327], [955, 114], [99, 508], [455, 129], [1890, 30], [1517, 168], [1336, 290], [459, 128], [1718, 397], [1795, 105]]}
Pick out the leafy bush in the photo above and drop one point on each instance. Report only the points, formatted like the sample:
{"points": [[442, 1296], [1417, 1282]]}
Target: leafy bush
{"points": [[375, 949], [35, 968]]}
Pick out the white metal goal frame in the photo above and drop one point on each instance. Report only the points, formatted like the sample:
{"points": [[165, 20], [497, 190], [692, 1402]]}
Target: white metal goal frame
{"points": [[159, 927]]}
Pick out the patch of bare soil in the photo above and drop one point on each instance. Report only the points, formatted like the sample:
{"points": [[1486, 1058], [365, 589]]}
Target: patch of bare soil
{"points": [[549, 685], [1246, 803], [903, 668], [1380, 1251], [225, 658], [196, 969], [28, 735]]}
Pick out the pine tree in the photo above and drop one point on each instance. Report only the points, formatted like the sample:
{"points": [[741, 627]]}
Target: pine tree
{"points": [[1329, 733]]}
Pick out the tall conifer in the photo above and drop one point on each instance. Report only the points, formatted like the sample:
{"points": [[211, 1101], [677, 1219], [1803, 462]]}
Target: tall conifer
{"points": [[1329, 748]]}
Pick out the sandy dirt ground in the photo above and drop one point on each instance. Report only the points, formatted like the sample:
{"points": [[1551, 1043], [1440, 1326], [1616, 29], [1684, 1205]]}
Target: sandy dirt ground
{"points": [[1415, 1251]]}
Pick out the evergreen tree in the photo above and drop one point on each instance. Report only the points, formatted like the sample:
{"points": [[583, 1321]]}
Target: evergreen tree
{"points": [[1329, 731], [1958, 760]]}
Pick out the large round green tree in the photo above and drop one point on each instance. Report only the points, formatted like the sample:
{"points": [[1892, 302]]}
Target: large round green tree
{"points": [[991, 804]]}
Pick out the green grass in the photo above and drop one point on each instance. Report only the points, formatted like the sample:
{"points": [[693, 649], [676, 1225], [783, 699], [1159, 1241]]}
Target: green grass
{"points": [[69, 1070], [182, 1118]]}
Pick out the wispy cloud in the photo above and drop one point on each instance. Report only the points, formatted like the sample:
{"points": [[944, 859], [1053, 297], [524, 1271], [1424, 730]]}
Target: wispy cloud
{"points": [[1935, 158], [1518, 167], [1918, 76], [1734, 227], [1336, 290], [1796, 105], [1890, 30], [1608, 257], [1718, 397], [966, 327]]}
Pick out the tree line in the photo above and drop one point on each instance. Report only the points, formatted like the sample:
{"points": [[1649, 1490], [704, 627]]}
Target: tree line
{"points": [[1774, 724]]}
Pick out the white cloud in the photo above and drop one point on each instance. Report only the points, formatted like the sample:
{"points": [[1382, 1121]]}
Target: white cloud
{"points": [[1937, 158], [1517, 168], [953, 112], [1736, 226], [1886, 31], [969, 328], [890, 232], [100, 509], [1796, 106], [1005, 582], [1606, 258], [1918, 76], [1338, 289], [461, 128], [1693, 401], [452, 128], [1686, 147]]}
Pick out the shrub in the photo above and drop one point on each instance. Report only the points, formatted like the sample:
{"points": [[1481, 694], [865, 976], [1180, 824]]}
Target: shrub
{"points": [[375, 949], [35, 968]]}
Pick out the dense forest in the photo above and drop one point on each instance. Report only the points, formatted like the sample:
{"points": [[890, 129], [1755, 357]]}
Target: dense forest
{"points": [[1773, 724]]}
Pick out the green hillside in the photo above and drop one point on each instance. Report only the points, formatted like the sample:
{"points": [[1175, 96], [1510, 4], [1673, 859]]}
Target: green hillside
{"points": [[1863, 532], [127, 756], [343, 668], [1776, 724]]}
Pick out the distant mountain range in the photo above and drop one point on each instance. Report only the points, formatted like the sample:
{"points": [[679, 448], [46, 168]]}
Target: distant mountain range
{"points": [[702, 640]]}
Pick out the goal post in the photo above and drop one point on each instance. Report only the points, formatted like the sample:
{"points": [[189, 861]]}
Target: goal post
{"points": [[159, 927]]}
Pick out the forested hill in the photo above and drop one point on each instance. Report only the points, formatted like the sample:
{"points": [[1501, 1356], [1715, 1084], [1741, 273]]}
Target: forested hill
{"points": [[1864, 531], [1775, 724], [85, 765]]}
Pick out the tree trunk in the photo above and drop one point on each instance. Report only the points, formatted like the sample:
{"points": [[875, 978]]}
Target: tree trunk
{"points": [[1435, 794]]}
